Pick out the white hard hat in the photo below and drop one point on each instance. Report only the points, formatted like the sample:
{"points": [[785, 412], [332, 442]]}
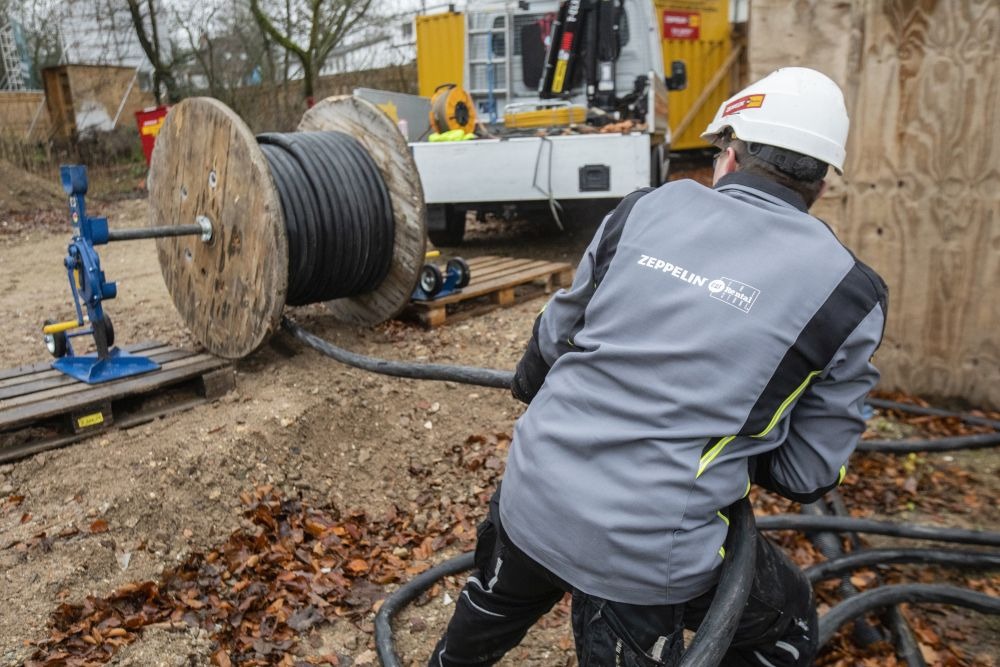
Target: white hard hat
{"points": [[795, 108]]}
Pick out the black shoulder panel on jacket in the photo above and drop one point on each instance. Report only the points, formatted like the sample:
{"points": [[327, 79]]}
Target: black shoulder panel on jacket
{"points": [[608, 244], [824, 334]]}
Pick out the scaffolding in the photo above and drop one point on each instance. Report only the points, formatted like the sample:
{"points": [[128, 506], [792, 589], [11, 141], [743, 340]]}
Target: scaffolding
{"points": [[10, 60]]}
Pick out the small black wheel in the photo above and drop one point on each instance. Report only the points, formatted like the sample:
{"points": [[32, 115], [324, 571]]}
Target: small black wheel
{"points": [[109, 330], [460, 266], [56, 343], [431, 279]]}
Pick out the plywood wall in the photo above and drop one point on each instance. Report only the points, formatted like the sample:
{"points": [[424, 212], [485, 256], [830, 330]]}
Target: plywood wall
{"points": [[920, 198], [21, 112], [84, 98]]}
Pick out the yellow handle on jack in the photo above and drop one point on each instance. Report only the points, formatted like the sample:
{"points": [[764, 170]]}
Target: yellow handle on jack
{"points": [[59, 327]]}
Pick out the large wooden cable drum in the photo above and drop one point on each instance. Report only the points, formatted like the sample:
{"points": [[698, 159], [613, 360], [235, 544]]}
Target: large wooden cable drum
{"points": [[231, 290]]}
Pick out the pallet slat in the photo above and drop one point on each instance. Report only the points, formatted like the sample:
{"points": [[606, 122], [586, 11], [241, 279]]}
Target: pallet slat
{"points": [[42, 381], [63, 399], [37, 403], [13, 374]]}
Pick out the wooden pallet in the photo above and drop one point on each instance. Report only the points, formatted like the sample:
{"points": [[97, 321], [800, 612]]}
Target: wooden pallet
{"points": [[40, 408], [496, 281]]}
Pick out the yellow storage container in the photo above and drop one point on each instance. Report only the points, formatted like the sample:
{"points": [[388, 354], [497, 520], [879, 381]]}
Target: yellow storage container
{"points": [[697, 32], [440, 50]]}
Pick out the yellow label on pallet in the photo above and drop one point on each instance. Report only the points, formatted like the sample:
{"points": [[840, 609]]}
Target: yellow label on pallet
{"points": [[90, 420]]}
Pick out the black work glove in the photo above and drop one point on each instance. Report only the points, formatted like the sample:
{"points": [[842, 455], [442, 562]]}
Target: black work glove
{"points": [[531, 370]]}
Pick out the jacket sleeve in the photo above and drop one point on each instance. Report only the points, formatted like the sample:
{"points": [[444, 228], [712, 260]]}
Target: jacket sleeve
{"points": [[826, 423], [563, 316], [552, 334]]}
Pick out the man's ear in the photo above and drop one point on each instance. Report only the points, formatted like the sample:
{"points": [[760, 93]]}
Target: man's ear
{"points": [[822, 189], [725, 164]]}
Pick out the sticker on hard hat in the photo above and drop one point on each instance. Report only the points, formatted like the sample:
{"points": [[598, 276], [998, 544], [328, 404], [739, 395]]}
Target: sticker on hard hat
{"points": [[748, 102]]}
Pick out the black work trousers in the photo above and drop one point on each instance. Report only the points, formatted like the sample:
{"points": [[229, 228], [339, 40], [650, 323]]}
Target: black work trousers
{"points": [[508, 592]]}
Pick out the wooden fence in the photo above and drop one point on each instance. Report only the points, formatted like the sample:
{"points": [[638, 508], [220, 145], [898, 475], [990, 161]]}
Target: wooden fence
{"points": [[920, 198], [23, 115]]}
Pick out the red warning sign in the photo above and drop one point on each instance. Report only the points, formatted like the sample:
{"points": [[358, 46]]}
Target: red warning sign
{"points": [[681, 25]]}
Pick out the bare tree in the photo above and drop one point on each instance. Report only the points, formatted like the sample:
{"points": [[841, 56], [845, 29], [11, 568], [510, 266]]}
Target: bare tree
{"points": [[40, 28], [228, 48], [314, 28], [164, 57]]}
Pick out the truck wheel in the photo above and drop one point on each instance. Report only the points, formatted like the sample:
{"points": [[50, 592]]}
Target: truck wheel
{"points": [[445, 224]]}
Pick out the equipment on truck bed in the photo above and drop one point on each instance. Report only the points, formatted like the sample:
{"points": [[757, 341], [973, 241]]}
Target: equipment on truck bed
{"points": [[452, 109], [555, 113], [588, 31], [580, 93]]}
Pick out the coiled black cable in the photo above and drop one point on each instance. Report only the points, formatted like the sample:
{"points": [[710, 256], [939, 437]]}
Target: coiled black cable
{"points": [[909, 593], [962, 559], [338, 214]]}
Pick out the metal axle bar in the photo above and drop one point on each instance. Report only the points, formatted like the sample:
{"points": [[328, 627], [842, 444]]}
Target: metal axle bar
{"points": [[201, 228]]}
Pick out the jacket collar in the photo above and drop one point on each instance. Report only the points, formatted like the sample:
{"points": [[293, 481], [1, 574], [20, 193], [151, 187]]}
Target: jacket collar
{"points": [[765, 185]]}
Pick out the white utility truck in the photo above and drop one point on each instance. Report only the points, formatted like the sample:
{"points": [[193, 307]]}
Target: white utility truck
{"points": [[571, 99]]}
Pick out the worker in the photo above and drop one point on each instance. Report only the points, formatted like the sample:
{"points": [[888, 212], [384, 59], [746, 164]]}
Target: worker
{"points": [[712, 338]]}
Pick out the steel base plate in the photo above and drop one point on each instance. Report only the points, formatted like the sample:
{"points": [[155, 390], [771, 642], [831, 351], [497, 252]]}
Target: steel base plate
{"points": [[88, 368]]}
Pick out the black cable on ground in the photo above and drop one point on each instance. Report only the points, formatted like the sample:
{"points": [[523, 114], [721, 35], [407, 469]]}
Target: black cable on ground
{"points": [[907, 647], [947, 444], [935, 412], [910, 593], [715, 635], [406, 594], [872, 557], [484, 377], [338, 214], [830, 546], [977, 441], [910, 530]]}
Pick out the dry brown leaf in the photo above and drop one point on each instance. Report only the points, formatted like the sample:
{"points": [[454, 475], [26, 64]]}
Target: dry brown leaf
{"points": [[221, 659], [357, 565]]}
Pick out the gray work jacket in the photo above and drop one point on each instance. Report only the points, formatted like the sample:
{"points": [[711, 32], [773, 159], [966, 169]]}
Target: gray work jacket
{"points": [[710, 337]]}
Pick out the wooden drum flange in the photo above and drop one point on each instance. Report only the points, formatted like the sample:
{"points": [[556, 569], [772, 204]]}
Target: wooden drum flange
{"points": [[231, 290]]}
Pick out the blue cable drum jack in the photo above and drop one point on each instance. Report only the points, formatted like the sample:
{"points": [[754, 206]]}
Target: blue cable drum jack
{"points": [[90, 288], [435, 284]]}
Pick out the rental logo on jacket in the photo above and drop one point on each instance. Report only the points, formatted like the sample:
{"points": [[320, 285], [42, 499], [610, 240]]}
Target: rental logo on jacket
{"points": [[737, 294]]}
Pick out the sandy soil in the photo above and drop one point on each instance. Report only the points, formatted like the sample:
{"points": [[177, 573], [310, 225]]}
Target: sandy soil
{"points": [[333, 435]]}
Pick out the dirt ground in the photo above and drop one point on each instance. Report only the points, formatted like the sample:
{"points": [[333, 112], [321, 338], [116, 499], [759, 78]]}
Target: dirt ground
{"points": [[334, 436]]}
